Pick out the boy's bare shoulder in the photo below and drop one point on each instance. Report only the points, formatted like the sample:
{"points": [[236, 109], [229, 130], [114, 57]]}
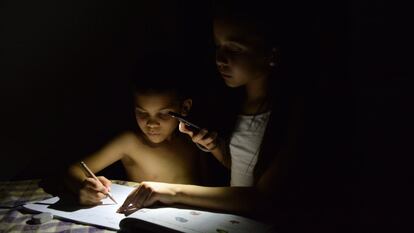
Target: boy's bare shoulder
{"points": [[129, 138]]}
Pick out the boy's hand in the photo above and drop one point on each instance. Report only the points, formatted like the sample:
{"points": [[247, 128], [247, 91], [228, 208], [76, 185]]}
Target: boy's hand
{"points": [[92, 192], [203, 137]]}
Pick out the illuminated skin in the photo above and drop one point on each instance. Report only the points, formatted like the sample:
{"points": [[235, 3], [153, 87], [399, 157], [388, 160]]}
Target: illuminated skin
{"points": [[151, 112], [242, 62], [156, 153]]}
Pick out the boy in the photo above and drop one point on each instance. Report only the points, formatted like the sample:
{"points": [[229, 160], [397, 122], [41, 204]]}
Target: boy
{"points": [[157, 152]]}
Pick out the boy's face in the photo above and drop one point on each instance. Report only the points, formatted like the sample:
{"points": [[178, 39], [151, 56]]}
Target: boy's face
{"points": [[240, 54], [151, 112]]}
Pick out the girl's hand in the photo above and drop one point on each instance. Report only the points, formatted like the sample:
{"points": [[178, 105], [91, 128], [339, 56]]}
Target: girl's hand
{"points": [[146, 194], [92, 192], [203, 137]]}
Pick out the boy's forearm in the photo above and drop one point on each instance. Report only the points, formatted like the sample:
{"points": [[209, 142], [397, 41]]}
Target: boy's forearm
{"points": [[74, 178]]}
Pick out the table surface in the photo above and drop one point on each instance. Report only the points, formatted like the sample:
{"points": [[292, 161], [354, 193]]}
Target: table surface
{"points": [[14, 194]]}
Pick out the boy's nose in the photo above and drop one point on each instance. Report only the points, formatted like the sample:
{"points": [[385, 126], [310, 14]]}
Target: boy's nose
{"points": [[152, 123]]}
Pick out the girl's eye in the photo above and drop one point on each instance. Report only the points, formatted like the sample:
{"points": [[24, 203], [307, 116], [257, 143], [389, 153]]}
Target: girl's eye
{"points": [[235, 50], [232, 49]]}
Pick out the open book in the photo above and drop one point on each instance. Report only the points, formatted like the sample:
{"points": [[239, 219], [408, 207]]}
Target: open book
{"points": [[163, 219]]}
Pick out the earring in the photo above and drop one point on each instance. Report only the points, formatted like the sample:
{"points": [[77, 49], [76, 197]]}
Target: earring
{"points": [[273, 56]]}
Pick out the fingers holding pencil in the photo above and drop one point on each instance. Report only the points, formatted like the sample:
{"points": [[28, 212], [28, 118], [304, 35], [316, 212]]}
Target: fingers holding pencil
{"points": [[106, 183], [92, 192], [99, 184]]}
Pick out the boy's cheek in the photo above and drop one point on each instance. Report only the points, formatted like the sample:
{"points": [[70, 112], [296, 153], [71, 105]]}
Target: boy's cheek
{"points": [[141, 125], [141, 121], [170, 126]]}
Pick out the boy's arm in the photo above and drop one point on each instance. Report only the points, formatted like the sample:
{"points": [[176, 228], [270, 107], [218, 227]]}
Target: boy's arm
{"points": [[110, 153]]}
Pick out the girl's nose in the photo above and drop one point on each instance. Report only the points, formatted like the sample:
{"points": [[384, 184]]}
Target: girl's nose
{"points": [[221, 60]]}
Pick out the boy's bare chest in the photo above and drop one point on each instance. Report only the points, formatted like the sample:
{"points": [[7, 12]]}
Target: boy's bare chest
{"points": [[159, 164]]}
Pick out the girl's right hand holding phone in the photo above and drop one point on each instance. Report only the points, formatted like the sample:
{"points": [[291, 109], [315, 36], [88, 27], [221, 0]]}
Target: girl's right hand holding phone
{"points": [[203, 137], [92, 192], [210, 141]]}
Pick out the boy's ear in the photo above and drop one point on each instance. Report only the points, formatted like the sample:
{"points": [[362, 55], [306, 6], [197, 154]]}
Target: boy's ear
{"points": [[186, 106]]}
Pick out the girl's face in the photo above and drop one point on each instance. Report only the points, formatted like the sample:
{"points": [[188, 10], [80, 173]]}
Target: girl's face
{"points": [[240, 55], [151, 112]]}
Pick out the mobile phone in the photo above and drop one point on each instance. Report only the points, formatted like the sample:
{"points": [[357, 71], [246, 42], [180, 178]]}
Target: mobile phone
{"points": [[181, 118], [191, 126]]}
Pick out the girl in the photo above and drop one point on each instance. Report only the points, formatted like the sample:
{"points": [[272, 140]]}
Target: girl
{"points": [[247, 57]]}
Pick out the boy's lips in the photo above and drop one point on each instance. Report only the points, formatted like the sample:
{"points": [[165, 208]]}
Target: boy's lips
{"points": [[153, 133]]}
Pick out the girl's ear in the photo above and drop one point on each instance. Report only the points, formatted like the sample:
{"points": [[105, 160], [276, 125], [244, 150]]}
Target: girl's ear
{"points": [[186, 106], [274, 57]]}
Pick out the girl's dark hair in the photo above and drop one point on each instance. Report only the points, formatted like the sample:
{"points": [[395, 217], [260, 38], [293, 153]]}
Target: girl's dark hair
{"points": [[261, 17]]}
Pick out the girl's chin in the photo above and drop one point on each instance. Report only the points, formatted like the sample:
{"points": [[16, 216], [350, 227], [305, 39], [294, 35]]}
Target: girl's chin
{"points": [[230, 83]]}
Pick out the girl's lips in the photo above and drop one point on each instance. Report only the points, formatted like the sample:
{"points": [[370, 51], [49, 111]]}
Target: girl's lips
{"points": [[225, 75]]}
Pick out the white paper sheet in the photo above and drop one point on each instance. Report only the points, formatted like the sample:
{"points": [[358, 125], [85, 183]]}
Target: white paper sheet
{"points": [[102, 215], [180, 219], [196, 221]]}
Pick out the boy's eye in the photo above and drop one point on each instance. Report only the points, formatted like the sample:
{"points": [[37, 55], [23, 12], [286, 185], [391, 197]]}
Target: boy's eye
{"points": [[163, 116], [141, 114]]}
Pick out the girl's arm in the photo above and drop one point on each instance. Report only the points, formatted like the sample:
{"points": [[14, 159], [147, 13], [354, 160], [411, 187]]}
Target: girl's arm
{"points": [[233, 199], [221, 153], [246, 200]]}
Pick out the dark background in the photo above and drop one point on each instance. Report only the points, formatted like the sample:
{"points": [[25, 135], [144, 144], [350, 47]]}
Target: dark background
{"points": [[64, 73], [64, 89]]}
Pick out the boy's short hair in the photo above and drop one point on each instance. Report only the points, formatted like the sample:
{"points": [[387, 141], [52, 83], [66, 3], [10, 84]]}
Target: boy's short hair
{"points": [[160, 73]]}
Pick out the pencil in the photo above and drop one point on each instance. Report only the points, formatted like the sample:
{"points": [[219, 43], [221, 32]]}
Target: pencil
{"points": [[90, 174]]}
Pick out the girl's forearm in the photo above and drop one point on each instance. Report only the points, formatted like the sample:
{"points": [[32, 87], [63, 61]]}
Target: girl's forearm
{"points": [[222, 155], [231, 199]]}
